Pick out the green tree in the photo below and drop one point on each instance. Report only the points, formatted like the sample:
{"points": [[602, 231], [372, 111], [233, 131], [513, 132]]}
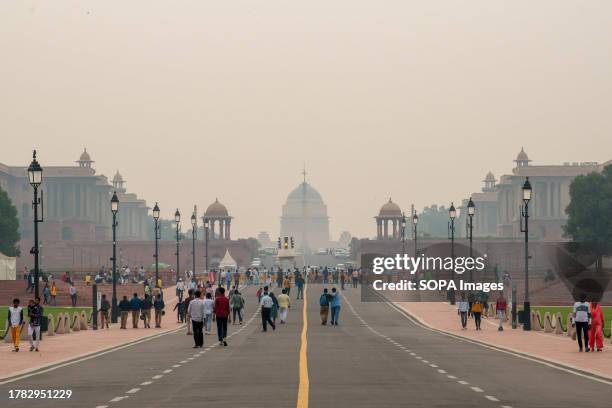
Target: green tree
{"points": [[433, 221], [590, 209], [9, 226]]}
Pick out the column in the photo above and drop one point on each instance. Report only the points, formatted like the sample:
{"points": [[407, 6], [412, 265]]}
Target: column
{"points": [[212, 229], [221, 234], [227, 230], [386, 229], [394, 223], [378, 229]]}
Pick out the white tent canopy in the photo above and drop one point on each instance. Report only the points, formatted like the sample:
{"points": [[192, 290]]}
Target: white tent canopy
{"points": [[227, 262], [8, 267]]}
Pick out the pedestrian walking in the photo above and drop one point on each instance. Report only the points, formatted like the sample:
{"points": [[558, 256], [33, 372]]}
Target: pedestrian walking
{"points": [[463, 308], [46, 294], [596, 328], [274, 311], [196, 311], [299, 284], [287, 285], [180, 312], [124, 311], [159, 306], [324, 300], [222, 311], [209, 305], [104, 308], [180, 288], [500, 310], [283, 305], [53, 293], [145, 310], [15, 321], [336, 301], [73, 294], [477, 309], [581, 318], [188, 299], [35, 313], [135, 304], [355, 277], [266, 310], [237, 304]]}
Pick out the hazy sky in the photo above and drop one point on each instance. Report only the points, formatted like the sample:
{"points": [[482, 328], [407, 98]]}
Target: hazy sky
{"points": [[193, 100]]}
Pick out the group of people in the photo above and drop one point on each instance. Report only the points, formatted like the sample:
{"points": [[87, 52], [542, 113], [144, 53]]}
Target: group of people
{"points": [[202, 309], [139, 308], [330, 302], [588, 320], [476, 305], [16, 322]]}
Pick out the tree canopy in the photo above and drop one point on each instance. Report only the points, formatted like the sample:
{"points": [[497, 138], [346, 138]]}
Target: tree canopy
{"points": [[9, 226], [590, 210]]}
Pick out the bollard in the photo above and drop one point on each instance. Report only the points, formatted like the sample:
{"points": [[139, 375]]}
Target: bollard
{"points": [[559, 323], [50, 325], [548, 327]]}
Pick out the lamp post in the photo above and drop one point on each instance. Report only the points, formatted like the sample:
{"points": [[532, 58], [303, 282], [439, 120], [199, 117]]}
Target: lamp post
{"points": [[403, 229], [114, 209], [525, 228], [206, 223], [177, 221], [470, 227], [415, 223], [194, 231], [157, 231], [452, 214], [35, 178]]}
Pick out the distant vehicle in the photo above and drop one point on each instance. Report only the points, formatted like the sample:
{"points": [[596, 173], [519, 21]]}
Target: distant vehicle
{"points": [[322, 251]]}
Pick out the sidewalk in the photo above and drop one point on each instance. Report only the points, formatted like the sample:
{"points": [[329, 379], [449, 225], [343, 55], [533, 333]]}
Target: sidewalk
{"points": [[63, 347], [555, 348]]}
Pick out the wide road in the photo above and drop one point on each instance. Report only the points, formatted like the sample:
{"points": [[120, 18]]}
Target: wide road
{"points": [[376, 357]]}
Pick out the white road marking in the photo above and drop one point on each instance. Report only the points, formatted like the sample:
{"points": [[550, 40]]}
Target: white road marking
{"points": [[476, 389], [183, 362], [176, 365], [102, 406], [133, 391], [452, 377], [147, 383], [463, 382], [491, 398], [442, 371], [167, 371], [117, 399], [157, 377]]}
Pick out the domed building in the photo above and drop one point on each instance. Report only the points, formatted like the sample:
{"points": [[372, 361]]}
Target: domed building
{"points": [[219, 221], [390, 214], [304, 217]]}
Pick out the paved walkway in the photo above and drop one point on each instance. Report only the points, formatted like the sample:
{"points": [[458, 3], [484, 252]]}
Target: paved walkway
{"points": [[63, 347], [555, 348]]}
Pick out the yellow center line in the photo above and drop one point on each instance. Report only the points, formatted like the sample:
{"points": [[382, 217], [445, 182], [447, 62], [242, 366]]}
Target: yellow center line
{"points": [[302, 399]]}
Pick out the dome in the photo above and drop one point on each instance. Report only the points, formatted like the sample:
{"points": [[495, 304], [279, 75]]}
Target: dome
{"points": [[311, 193], [85, 157], [117, 178], [216, 209], [489, 177], [522, 156], [390, 209]]}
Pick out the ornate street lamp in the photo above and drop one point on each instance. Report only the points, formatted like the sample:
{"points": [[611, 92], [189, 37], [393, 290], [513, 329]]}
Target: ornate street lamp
{"points": [[470, 227], [157, 237], [206, 223], [403, 230], [415, 223], [35, 178], [527, 192], [452, 214], [114, 209], [194, 232], [177, 221]]}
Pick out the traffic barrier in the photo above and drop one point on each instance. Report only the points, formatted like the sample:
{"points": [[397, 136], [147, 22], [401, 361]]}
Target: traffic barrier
{"points": [[67, 329], [61, 326], [83, 320], [76, 322], [571, 331], [559, 323], [536, 324], [548, 326], [50, 325]]}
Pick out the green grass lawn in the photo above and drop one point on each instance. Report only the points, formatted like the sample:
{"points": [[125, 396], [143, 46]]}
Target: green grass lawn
{"points": [[607, 310], [47, 309]]}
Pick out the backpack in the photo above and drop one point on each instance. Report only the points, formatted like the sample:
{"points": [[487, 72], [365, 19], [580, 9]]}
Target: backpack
{"points": [[323, 301]]}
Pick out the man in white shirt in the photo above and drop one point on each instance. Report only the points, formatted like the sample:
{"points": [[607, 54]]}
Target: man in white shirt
{"points": [[15, 320], [266, 310], [581, 318], [73, 294], [209, 305], [196, 311]]}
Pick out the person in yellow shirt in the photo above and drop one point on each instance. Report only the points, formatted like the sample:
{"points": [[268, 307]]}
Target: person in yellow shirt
{"points": [[477, 308], [287, 285], [283, 305], [53, 294]]}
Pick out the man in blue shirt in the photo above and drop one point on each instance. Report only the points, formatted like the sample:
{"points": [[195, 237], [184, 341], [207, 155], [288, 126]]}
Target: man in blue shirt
{"points": [[135, 308], [335, 306]]}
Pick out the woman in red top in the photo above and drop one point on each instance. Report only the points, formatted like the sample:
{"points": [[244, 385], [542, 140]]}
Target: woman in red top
{"points": [[596, 330], [500, 308], [222, 311]]}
